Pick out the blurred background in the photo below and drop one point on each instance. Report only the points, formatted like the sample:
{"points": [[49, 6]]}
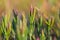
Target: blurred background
{"points": [[24, 5]]}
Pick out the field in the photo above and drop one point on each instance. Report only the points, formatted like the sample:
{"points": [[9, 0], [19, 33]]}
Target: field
{"points": [[29, 19]]}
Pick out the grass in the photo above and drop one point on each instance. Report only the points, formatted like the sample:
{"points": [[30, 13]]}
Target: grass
{"points": [[34, 27]]}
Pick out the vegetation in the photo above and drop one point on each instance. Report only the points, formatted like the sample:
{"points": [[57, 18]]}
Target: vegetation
{"points": [[38, 24]]}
